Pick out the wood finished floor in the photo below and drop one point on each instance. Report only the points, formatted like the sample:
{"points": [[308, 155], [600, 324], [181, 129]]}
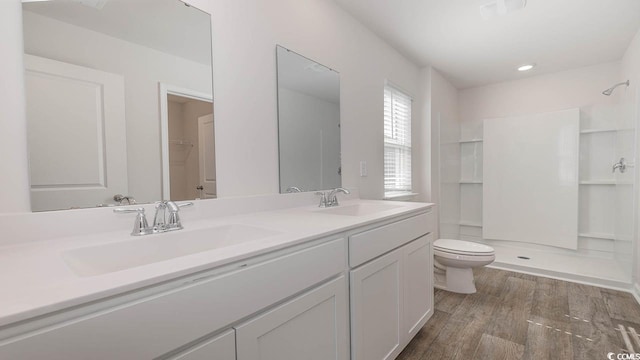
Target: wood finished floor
{"points": [[518, 316]]}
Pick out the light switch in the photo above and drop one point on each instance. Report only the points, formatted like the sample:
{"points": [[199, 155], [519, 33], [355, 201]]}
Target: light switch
{"points": [[363, 168]]}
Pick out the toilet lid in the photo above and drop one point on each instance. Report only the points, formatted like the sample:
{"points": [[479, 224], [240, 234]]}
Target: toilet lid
{"points": [[460, 246]]}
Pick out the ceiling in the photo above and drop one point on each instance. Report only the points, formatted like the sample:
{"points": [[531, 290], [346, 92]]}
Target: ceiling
{"points": [[164, 25], [452, 36]]}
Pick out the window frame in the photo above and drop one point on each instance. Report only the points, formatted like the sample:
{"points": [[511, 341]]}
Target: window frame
{"points": [[397, 119]]}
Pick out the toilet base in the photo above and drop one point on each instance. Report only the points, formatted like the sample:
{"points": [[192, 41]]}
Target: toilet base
{"points": [[456, 280]]}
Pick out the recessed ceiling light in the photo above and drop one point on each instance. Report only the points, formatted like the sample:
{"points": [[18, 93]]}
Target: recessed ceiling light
{"points": [[526, 67]]}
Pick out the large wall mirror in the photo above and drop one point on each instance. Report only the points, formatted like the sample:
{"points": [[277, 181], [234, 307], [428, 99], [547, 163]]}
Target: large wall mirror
{"points": [[308, 123], [119, 102]]}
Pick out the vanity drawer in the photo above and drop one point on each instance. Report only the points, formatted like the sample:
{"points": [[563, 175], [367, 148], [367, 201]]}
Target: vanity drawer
{"points": [[222, 347], [157, 324], [372, 243]]}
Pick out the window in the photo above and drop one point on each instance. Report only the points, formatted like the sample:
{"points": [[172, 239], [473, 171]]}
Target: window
{"points": [[397, 142]]}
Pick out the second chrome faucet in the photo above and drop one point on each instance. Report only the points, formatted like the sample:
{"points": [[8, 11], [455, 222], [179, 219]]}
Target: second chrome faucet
{"points": [[165, 219], [329, 199]]}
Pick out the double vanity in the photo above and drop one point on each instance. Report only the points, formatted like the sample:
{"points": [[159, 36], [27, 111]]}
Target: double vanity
{"points": [[265, 277]]}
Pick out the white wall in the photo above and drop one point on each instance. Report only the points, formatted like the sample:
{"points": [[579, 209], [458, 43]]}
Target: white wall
{"points": [[630, 65], [309, 141], [445, 154], [142, 69], [421, 134], [14, 177], [245, 33], [576, 88]]}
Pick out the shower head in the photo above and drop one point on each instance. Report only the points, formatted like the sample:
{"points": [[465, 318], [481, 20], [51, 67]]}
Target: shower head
{"points": [[609, 91]]}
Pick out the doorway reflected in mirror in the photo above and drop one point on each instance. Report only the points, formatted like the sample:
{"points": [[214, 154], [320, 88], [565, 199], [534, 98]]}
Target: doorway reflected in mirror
{"points": [[190, 123]]}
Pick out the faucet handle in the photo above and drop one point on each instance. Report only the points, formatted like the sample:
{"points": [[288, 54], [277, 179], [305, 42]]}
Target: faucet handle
{"points": [[323, 198], [174, 219], [175, 207], [141, 226]]}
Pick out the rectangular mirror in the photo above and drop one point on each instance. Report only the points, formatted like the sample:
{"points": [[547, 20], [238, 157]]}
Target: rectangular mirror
{"points": [[119, 102], [308, 123]]}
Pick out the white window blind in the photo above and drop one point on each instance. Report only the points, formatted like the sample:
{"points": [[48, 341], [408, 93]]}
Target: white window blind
{"points": [[397, 142]]}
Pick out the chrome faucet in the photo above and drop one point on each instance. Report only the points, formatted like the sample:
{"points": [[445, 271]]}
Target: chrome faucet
{"points": [[165, 219], [333, 195], [331, 198], [293, 189]]}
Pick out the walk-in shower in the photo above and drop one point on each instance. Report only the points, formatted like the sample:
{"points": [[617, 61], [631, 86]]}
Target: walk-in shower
{"points": [[601, 251], [609, 91]]}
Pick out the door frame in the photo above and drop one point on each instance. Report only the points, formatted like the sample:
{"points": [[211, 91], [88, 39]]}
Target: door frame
{"points": [[165, 90], [202, 156]]}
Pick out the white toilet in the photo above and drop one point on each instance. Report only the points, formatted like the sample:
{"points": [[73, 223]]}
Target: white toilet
{"points": [[454, 260]]}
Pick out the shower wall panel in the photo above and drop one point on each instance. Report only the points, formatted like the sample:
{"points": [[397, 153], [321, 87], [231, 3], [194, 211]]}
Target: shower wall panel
{"points": [[531, 172]]}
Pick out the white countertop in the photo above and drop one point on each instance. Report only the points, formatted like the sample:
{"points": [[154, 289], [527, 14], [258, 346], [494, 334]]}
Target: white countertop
{"points": [[35, 280]]}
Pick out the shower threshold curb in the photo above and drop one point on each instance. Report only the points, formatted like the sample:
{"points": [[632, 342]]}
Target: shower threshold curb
{"points": [[576, 278]]}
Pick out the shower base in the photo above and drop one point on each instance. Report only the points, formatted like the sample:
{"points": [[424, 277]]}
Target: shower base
{"points": [[581, 268]]}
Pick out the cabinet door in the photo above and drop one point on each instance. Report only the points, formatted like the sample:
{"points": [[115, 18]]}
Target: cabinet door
{"points": [[312, 326], [221, 347], [418, 285], [376, 301]]}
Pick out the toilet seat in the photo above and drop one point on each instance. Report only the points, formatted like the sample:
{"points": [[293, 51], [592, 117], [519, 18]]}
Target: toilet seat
{"points": [[464, 257], [459, 247]]}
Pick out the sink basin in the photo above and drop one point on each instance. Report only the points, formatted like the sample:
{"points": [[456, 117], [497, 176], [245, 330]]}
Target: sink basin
{"points": [[358, 209], [106, 258]]}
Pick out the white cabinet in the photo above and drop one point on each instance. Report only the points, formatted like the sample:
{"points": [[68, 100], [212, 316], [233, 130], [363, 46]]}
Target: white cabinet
{"points": [[376, 298], [312, 326], [290, 304], [418, 285], [391, 299], [221, 347], [369, 244], [151, 323]]}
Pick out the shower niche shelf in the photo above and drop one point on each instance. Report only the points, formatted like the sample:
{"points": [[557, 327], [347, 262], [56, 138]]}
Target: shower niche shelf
{"points": [[597, 236], [475, 224], [604, 182], [470, 223], [466, 172], [603, 194], [461, 141], [594, 131], [603, 130]]}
